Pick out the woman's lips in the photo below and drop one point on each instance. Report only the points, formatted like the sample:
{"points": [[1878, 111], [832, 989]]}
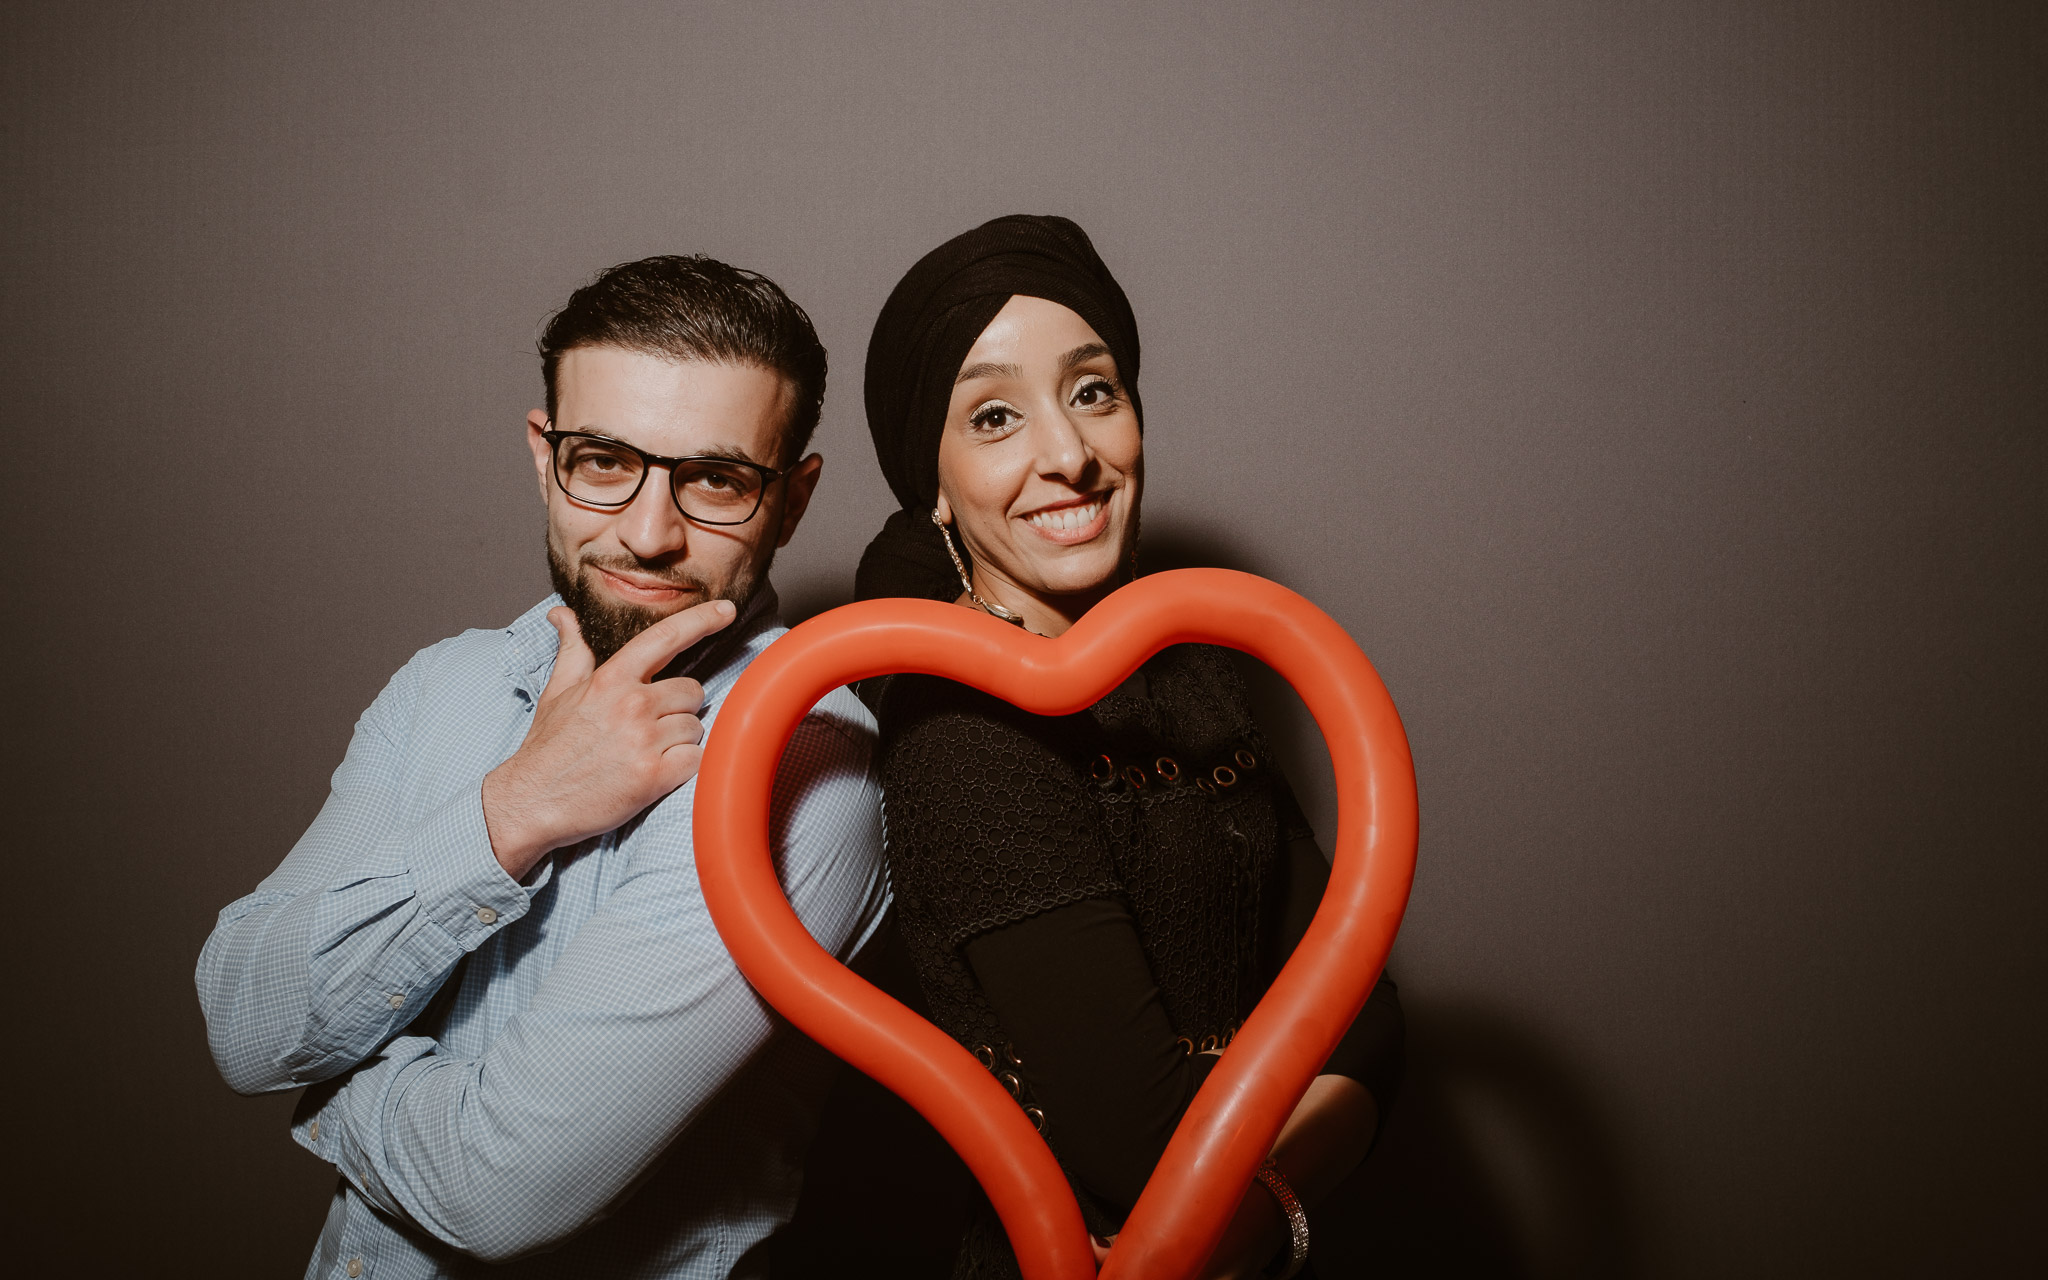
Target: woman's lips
{"points": [[1071, 523]]}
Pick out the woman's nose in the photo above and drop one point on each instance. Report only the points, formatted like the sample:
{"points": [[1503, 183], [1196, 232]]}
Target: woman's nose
{"points": [[1062, 451]]}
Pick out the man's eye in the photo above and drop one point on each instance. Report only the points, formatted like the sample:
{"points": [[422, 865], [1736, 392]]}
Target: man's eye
{"points": [[599, 462], [717, 484]]}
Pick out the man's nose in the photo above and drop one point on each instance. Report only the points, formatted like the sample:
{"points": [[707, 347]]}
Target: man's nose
{"points": [[651, 527]]}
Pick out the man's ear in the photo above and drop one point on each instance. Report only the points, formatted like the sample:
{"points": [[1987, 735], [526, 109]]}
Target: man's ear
{"points": [[798, 486], [543, 456]]}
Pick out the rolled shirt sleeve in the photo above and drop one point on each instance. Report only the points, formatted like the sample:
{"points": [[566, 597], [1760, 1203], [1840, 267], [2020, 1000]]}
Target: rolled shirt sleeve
{"points": [[642, 1020], [342, 945]]}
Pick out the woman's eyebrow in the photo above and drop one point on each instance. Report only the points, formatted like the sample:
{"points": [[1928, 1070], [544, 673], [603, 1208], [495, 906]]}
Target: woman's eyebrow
{"points": [[987, 370], [1082, 355]]}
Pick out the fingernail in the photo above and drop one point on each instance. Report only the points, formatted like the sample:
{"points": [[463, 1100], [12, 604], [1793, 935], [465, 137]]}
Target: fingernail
{"points": [[727, 606]]}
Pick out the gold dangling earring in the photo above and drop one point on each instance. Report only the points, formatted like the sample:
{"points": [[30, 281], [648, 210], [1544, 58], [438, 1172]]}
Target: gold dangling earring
{"points": [[960, 567]]}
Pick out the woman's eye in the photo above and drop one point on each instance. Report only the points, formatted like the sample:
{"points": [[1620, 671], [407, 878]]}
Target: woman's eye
{"points": [[994, 417], [1094, 391]]}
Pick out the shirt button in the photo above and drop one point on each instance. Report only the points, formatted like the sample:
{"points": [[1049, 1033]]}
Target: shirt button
{"points": [[313, 1131], [397, 1000], [484, 915], [354, 1268]]}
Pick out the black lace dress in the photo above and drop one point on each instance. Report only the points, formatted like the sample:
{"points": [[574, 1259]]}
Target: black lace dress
{"points": [[1091, 901]]}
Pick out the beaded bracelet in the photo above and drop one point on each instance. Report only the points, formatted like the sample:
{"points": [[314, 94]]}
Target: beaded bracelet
{"points": [[1297, 1218]]}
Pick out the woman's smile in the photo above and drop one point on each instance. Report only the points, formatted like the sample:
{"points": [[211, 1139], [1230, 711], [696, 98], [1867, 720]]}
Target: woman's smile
{"points": [[1073, 522]]}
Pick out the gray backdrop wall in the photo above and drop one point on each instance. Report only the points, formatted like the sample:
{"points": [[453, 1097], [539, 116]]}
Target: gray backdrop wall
{"points": [[1658, 398]]}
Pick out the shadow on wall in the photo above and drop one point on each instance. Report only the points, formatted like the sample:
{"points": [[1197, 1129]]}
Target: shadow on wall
{"points": [[805, 598], [1495, 1162]]}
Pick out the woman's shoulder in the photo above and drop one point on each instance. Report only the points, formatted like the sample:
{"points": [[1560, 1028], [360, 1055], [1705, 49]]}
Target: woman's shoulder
{"points": [[1201, 695], [940, 734], [987, 810], [932, 710]]}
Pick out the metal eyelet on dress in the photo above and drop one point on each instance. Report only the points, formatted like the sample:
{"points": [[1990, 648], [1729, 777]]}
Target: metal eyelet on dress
{"points": [[1210, 1044], [1103, 770], [1010, 1055], [1187, 1046], [1246, 759], [1135, 776], [1206, 783], [1036, 1117], [986, 1055], [1225, 775], [1167, 768], [1012, 1083]]}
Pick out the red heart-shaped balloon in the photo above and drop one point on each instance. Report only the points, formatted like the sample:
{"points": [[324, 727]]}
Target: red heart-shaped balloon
{"points": [[1233, 1120]]}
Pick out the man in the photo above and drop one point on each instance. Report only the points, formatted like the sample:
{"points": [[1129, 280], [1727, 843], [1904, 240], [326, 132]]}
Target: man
{"points": [[489, 956]]}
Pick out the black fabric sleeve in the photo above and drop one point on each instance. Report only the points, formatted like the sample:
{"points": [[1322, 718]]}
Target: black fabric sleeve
{"points": [[1073, 989], [988, 823], [1371, 1051]]}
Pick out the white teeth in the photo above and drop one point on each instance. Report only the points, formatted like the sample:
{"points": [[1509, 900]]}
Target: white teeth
{"points": [[1065, 519]]}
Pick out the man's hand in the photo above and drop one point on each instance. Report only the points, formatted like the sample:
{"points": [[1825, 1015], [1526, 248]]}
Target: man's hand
{"points": [[605, 742]]}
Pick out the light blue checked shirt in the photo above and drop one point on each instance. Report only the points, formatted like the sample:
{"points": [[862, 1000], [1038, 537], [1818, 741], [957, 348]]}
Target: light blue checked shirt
{"points": [[568, 1072]]}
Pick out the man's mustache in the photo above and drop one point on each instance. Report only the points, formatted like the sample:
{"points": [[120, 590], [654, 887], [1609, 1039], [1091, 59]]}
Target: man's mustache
{"points": [[670, 576]]}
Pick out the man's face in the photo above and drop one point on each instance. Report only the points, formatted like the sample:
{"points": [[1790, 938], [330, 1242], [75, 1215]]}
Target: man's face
{"points": [[623, 568]]}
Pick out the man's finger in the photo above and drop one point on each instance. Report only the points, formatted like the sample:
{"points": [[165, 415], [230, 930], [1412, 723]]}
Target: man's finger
{"points": [[680, 694], [681, 761], [680, 729], [652, 649], [573, 660]]}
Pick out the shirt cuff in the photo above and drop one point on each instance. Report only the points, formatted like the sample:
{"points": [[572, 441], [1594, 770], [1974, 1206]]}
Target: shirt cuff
{"points": [[456, 878]]}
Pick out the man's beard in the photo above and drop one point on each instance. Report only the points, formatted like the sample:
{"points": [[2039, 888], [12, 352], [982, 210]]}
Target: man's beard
{"points": [[608, 624]]}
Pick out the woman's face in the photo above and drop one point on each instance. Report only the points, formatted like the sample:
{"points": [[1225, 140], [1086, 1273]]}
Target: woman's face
{"points": [[1041, 464]]}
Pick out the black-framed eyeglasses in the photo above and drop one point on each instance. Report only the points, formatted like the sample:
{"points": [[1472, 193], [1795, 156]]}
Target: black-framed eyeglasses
{"points": [[604, 472]]}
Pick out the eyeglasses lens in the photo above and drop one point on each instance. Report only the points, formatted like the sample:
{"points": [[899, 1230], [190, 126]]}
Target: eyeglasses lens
{"points": [[717, 493], [597, 472], [607, 474]]}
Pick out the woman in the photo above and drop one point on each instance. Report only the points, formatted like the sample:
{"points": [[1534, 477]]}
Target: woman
{"points": [[1083, 916]]}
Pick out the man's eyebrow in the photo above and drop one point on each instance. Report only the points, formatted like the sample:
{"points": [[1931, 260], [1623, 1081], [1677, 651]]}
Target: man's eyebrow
{"points": [[1082, 355], [729, 453], [987, 370], [722, 452]]}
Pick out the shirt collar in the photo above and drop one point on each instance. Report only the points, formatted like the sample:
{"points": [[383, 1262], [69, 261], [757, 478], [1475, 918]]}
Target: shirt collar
{"points": [[531, 643]]}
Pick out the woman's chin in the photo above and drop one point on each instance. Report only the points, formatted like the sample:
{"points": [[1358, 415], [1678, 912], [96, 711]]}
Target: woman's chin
{"points": [[1067, 581]]}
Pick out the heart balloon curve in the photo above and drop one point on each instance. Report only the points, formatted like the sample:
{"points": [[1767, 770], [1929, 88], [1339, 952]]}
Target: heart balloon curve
{"points": [[1233, 1120]]}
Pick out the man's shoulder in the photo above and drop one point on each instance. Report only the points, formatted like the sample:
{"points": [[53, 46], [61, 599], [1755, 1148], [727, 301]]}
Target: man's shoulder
{"points": [[481, 659], [841, 714]]}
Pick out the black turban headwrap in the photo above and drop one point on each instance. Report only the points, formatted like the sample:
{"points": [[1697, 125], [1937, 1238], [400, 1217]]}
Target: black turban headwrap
{"points": [[920, 341]]}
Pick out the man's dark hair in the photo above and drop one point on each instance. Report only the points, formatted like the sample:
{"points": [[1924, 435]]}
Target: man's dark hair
{"points": [[696, 308]]}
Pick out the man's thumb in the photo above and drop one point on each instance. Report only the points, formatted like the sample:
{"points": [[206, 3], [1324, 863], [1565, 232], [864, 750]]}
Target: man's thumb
{"points": [[573, 660]]}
